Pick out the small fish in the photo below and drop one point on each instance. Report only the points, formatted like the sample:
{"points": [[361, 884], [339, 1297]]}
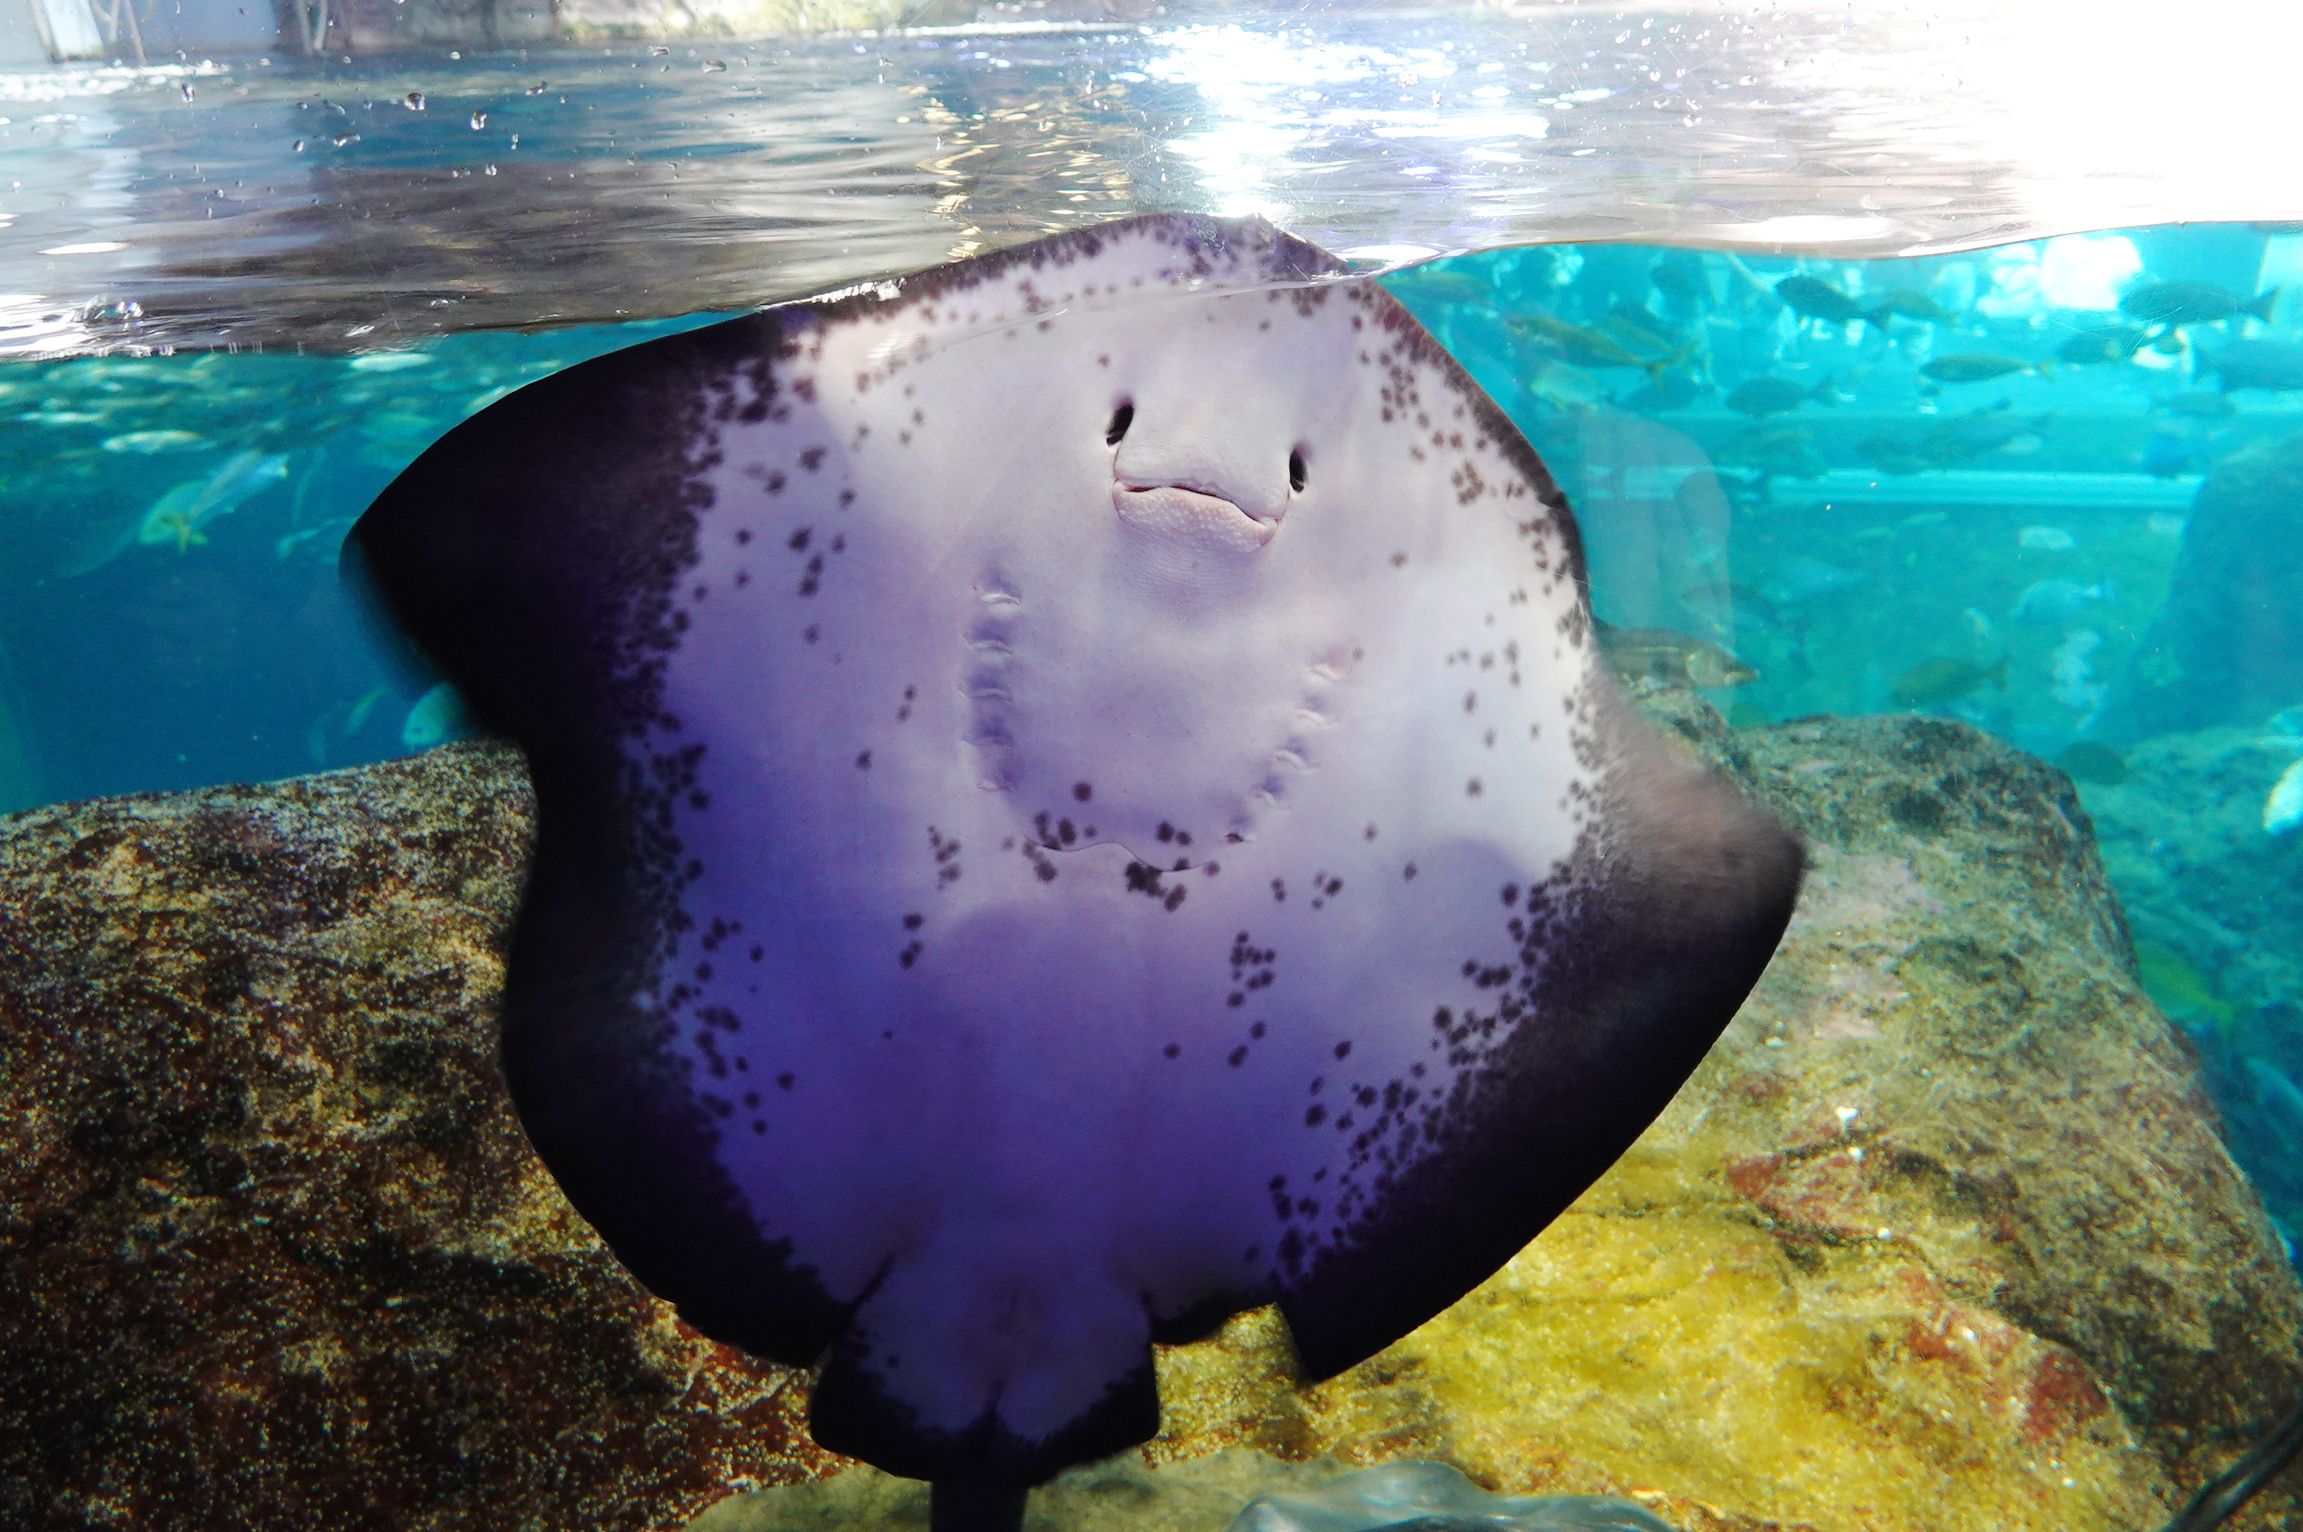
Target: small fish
{"points": [[1911, 303], [2276, 365], [2053, 602], [389, 361], [2093, 762], [1759, 397], [182, 515], [1944, 679], [146, 443], [437, 717], [2283, 810], [1643, 333], [1815, 299], [2179, 303], [1664, 654], [2046, 540], [1978, 367], [2176, 985], [1587, 346], [2104, 343]]}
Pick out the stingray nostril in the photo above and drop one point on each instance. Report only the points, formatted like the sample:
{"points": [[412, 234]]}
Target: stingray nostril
{"points": [[1122, 418], [1295, 471]]}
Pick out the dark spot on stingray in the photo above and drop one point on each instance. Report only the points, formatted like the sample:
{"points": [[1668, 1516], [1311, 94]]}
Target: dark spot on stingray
{"points": [[812, 459], [1082, 791], [743, 534], [1314, 1115], [1472, 788], [864, 760], [784, 1080], [1166, 831], [798, 540], [1172, 1049], [1510, 894], [1343, 1050], [1236, 999], [1238, 1056]]}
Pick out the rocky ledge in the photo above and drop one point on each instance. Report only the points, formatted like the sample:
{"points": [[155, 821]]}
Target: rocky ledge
{"points": [[1942, 1236]]}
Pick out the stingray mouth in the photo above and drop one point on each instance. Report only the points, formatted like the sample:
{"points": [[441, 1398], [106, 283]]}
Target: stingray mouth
{"points": [[1192, 517]]}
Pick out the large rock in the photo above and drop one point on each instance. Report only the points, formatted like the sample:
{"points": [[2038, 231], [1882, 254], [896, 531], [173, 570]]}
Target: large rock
{"points": [[2228, 646], [1941, 1236], [273, 1251]]}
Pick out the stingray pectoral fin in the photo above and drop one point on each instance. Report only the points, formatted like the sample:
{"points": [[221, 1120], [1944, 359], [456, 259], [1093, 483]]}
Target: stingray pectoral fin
{"points": [[1678, 898], [616, 1118]]}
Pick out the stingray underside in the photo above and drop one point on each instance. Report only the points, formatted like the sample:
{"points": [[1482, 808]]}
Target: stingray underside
{"points": [[1328, 922]]}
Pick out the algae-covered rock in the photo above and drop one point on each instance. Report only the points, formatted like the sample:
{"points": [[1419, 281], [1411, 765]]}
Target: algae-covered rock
{"points": [[273, 1251], [1940, 1237]]}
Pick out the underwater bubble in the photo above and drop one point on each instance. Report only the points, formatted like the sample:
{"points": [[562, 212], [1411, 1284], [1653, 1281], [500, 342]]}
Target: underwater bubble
{"points": [[413, 101], [479, 121]]}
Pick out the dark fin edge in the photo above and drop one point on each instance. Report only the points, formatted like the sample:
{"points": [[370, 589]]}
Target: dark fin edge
{"points": [[1683, 889]]}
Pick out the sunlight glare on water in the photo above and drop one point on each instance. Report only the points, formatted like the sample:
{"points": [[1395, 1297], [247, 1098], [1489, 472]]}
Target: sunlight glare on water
{"points": [[286, 201]]}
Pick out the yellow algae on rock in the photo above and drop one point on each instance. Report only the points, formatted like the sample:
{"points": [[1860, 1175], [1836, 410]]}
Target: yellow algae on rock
{"points": [[1940, 1237]]}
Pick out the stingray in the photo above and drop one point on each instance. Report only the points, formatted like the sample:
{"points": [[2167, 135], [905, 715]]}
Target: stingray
{"points": [[1077, 795]]}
